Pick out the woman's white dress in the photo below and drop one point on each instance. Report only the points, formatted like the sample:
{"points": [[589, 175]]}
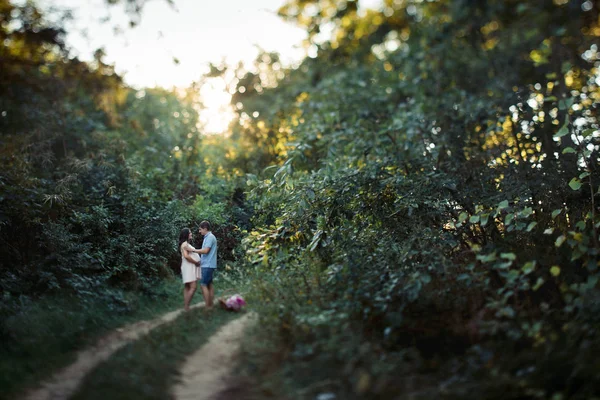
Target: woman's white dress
{"points": [[189, 271]]}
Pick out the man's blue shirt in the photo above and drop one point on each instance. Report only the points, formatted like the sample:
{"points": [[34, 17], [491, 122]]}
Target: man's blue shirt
{"points": [[209, 260]]}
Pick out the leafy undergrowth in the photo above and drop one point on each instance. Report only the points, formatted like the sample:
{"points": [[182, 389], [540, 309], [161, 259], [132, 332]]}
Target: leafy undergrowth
{"points": [[147, 368], [46, 335], [313, 348]]}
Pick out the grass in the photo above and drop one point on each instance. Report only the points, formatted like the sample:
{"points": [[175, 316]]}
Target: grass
{"points": [[147, 368], [43, 336]]}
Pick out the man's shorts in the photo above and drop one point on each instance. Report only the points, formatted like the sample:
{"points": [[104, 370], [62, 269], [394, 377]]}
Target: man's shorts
{"points": [[206, 276]]}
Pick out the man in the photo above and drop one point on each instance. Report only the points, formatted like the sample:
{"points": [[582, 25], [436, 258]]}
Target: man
{"points": [[208, 263]]}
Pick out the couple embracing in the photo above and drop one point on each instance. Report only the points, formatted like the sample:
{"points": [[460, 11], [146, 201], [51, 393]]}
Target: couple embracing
{"points": [[198, 264]]}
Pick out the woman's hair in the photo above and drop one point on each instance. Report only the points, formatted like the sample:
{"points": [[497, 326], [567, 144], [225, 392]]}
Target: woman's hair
{"points": [[183, 237]]}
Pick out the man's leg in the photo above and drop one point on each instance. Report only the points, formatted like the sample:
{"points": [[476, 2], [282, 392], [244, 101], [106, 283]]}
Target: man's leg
{"points": [[206, 294], [207, 287], [211, 291]]}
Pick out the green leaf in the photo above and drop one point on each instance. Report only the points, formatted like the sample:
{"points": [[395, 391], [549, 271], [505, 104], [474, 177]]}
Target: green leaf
{"points": [[549, 231], [565, 104], [538, 283], [508, 256], [513, 275], [584, 175], [531, 226], [560, 240], [587, 132], [503, 204], [528, 267], [555, 213], [487, 257], [315, 240], [474, 219], [575, 184], [526, 212], [568, 150], [563, 131], [506, 312], [555, 270], [504, 265], [463, 277], [508, 219], [484, 219], [462, 217]]}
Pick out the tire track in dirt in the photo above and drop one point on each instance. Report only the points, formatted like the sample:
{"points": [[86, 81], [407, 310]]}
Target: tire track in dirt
{"points": [[206, 372], [65, 382]]}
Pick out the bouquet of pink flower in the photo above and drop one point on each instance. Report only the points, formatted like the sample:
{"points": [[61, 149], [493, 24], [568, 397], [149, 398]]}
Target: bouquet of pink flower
{"points": [[234, 303]]}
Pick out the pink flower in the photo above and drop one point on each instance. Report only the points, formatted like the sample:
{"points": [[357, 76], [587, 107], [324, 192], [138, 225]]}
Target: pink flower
{"points": [[235, 302]]}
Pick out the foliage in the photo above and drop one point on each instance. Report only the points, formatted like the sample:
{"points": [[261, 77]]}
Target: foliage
{"points": [[416, 204], [434, 211], [96, 181]]}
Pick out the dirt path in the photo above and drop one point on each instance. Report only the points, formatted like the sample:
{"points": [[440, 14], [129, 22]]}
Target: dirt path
{"points": [[63, 384], [206, 373]]}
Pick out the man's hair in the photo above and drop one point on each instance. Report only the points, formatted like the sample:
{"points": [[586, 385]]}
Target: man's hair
{"points": [[205, 225]]}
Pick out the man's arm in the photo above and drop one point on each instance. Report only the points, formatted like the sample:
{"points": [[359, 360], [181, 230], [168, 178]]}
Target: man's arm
{"points": [[204, 250]]}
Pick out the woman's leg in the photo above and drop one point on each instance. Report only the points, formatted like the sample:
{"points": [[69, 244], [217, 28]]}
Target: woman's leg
{"points": [[188, 292], [186, 288], [192, 291]]}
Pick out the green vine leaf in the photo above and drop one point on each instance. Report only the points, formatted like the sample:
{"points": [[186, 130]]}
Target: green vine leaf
{"points": [[587, 132], [575, 184], [563, 131], [556, 212]]}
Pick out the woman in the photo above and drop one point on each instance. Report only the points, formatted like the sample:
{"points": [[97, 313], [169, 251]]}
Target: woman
{"points": [[190, 261]]}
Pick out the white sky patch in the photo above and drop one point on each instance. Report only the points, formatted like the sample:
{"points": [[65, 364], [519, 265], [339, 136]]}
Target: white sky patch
{"points": [[195, 32]]}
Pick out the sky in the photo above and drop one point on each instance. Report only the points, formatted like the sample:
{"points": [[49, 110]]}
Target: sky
{"points": [[195, 32]]}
